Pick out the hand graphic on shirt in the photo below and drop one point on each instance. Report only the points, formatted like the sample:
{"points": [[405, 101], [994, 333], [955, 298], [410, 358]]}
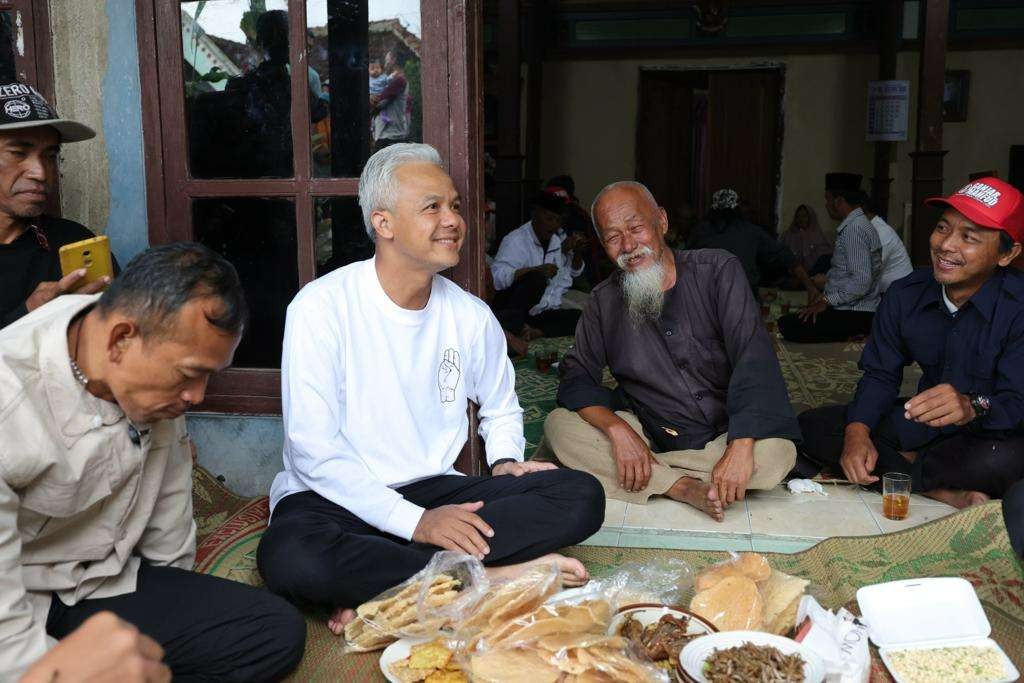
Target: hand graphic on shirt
{"points": [[448, 375]]}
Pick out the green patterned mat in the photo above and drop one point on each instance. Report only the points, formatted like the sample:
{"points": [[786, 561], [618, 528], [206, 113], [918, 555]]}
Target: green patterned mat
{"points": [[971, 543]]}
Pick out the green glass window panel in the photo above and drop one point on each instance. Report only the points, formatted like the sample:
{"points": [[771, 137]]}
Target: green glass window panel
{"points": [[653, 29], [998, 19], [770, 26]]}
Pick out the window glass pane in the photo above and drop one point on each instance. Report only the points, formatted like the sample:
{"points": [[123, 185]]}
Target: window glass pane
{"points": [[237, 88], [647, 30], [364, 60], [340, 236], [774, 25], [258, 236], [8, 71]]}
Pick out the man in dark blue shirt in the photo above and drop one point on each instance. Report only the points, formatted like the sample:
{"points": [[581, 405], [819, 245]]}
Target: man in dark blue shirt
{"points": [[961, 438]]}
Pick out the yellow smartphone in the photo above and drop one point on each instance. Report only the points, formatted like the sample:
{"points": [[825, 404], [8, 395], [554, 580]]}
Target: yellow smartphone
{"points": [[92, 254]]}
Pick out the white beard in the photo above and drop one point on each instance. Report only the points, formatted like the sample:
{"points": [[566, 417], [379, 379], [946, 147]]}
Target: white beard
{"points": [[642, 288]]}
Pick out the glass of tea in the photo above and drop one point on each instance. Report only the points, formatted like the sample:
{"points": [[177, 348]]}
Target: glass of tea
{"points": [[544, 361], [895, 495]]}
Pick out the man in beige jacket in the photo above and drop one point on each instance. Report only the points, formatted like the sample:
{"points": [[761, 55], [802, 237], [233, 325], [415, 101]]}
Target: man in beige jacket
{"points": [[95, 474]]}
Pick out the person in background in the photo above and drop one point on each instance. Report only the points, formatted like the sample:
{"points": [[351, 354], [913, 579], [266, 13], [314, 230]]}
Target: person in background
{"points": [[96, 473], [31, 134], [678, 234], [700, 413], [1013, 516], [726, 228], [391, 120], [378, 79], [853, 283], [961, 437], [577, 221], [534, 268], [895, 260], [381, 359], [805, 238]]}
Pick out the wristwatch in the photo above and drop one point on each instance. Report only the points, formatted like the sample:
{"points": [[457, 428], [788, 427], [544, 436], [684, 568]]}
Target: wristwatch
{"points": [[981, 404]]}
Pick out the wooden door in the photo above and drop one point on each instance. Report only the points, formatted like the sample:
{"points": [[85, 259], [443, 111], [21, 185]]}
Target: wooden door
{"points": [[744, 137], [664, 138]]}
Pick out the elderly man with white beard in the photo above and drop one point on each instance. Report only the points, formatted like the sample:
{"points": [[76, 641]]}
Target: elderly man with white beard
{"points": [[701, 413]]}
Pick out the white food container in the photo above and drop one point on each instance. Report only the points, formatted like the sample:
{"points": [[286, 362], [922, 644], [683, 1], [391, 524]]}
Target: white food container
{"points": [[924, 614]]}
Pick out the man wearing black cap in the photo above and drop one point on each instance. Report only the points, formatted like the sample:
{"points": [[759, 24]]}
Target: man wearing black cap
{"points": [[534, 268], [853, 284], [961, 437], [31, 134]]}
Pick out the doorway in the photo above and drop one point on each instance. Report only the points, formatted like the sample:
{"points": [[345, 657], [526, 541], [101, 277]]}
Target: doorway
{"points": [[703, 129]]}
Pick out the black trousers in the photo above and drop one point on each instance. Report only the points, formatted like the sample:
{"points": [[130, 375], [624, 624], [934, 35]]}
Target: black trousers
{"points": [[211, 629], [962, 461], [1013, 514], [319, 552], [831, 325], [512, 308]]}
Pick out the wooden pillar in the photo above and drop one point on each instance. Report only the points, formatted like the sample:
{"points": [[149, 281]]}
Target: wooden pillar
{"points": [[538, 21], [889, 19], [927, 158], [508, 172]]}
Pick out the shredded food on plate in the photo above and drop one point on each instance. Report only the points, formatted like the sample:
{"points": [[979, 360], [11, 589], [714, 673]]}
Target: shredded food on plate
{"points": [[753, 663], [963, 664]]}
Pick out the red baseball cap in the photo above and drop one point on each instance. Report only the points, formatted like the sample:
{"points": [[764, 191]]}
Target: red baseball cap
{"points": [[990, 203]]}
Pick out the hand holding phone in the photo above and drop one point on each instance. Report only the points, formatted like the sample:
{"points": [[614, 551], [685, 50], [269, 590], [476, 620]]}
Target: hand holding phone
{"points": [[91, 255]]}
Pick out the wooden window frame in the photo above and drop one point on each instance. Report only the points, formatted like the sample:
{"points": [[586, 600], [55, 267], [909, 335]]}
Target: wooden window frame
{"points": [[452, 122]]}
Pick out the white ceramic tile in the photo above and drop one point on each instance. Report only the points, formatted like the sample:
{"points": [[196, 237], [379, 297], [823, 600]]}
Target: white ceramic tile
{"points": [[684, 540], [811, 519], [875, 498], [847, 493], [919, 513], [776, 544], [614, 513], [608, 537], [663, 513]]}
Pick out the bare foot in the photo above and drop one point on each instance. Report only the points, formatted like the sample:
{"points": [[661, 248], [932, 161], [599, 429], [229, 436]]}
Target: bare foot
{"points": [[957, 498], [339, 618], [572, 571], [517, 345], [531, 333], [700, 494]]}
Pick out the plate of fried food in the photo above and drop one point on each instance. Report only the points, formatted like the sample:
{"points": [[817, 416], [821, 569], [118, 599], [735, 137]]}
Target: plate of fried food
{"points": [[411, 660], [750, 656], [659, 631]]}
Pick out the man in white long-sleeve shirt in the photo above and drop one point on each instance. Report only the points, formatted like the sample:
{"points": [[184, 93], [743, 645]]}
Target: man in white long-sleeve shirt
{"points": [[380, 361], [534, 268]]}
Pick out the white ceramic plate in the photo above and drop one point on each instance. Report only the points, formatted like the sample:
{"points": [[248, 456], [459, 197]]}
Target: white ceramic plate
{"points": [[396, 651], [694, 655], [1010, 672]]}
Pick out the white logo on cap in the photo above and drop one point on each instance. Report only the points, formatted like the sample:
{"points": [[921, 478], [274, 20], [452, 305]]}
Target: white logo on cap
{"points": [[17, 109], [986, 194]]}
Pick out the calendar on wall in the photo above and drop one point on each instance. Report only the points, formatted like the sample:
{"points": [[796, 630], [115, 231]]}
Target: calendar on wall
{"points": [[888, 110]]}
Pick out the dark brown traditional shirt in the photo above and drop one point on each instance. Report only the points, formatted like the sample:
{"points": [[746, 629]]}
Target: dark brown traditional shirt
{"points": [[705, 367]]}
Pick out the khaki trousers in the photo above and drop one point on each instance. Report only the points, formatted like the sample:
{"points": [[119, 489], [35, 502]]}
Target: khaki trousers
{"points": [[581, 446]]}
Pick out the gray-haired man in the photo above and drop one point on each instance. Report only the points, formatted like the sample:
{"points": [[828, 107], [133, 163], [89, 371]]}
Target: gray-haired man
{"points": [[381, 359], [96, 475]]}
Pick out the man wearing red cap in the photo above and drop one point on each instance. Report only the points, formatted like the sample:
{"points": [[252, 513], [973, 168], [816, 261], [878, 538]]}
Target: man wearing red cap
{"points": [[961, 437]]}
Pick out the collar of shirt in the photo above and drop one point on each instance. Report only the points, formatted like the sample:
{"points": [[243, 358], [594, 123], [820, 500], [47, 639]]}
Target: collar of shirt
{"points": [[75, 409], [950, 306], [850, 218], [984, 299], [554, 243]]}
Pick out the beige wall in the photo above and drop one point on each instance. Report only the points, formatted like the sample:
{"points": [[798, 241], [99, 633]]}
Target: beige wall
{"points": [[79, 34], [589, 121]]}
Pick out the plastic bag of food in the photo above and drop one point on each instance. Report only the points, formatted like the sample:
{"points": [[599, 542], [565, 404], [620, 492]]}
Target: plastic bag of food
{"points": [[506, 601], [569, 657], [661, 581], [744, 593], [423, 605]]}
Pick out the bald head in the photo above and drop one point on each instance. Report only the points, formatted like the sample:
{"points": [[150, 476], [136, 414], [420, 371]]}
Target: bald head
{"points": [[623, 190]]}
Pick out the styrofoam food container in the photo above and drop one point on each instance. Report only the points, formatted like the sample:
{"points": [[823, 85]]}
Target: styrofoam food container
{"points": [[924, 614], [693, 656]]}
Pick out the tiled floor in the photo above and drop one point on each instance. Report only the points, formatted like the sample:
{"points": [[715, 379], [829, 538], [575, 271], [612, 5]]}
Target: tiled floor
{"points": [[767, 521]]}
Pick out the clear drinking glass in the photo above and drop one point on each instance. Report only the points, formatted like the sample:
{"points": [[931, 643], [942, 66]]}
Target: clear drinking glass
{"points": [[895, 495]]}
